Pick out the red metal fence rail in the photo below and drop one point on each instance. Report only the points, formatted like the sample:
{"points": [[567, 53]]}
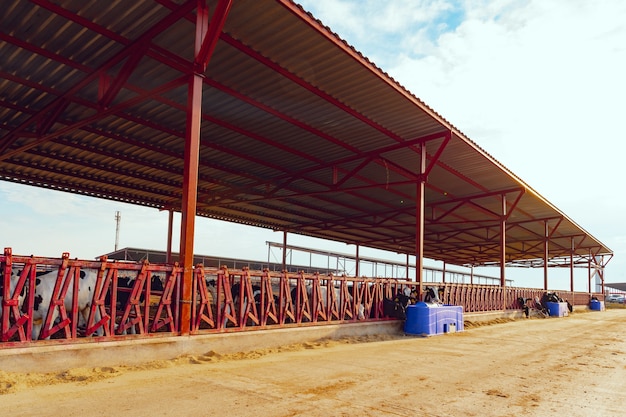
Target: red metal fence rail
{"points": [[64, 298], [67, 299]]}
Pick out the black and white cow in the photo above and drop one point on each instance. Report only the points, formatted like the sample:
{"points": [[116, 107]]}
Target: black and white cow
{"points": [[239, 293], [44, 289], [396, 307], [337, 297], [553, 297], [125, 287], [431, 295], [239, 296]]}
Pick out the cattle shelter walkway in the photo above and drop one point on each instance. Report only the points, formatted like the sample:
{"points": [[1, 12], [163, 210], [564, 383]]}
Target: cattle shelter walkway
{"points": [[108, 323], [575, 366]]}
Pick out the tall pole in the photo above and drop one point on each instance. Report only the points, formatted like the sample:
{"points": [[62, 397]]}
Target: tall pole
{"points": [[206, 38], [284, 250], [190, 174], [546, 254], [419, 220], [118, 218], [503, 251], [170, 226], [589, 274], [571, 268], [443, 273], [407, 267]]}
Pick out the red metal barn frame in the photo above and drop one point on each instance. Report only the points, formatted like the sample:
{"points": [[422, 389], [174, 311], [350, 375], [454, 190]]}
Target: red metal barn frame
{"points": [[252, 111]]}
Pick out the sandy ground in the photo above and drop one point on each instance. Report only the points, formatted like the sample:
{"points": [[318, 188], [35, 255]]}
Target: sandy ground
{"points": [[571, 366]]}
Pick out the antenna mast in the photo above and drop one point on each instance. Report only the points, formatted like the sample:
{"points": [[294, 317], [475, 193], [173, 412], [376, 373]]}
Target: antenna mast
{"points": [[118, 218]]}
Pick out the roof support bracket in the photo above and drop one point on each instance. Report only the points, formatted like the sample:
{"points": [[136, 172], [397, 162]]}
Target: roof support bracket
{"points": [[212, 35], [127, 69]]}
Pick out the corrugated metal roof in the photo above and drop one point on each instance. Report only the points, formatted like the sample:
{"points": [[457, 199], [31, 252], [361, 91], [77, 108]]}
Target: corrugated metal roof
{"points": [[300, 132]]}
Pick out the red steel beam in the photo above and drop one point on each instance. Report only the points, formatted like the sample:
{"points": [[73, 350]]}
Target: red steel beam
{"points": [[127, 69], [503, 217], [190, 176], [129, 103], [96, 28], [10, 137], [205, 37], [419, 222], [211, 37]]}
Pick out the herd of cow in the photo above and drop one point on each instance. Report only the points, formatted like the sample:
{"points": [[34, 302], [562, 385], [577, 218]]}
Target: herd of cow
{"points": [[54, 305], [321, 298], [53, 302]]}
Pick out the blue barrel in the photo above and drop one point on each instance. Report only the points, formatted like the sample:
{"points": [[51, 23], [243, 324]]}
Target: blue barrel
{"points": [[596, 305], [427, 319], [420, 319], [557, 309]]}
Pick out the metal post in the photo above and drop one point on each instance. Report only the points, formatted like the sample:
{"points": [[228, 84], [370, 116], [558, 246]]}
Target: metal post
{"points": [[601, 274], [118, 218], [545, 255], [419, 220], [284, 250], [407, 266], [190, 174], [503, 251], [170, 228], [205, 41], [443, 273], [589, 274], [571, 268]]}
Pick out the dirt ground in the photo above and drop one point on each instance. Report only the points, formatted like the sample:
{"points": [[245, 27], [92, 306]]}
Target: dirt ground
{"points": [[571, 366]]}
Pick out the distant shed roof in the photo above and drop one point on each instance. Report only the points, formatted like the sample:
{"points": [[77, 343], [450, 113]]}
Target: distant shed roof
{"points": [[300, 132]]}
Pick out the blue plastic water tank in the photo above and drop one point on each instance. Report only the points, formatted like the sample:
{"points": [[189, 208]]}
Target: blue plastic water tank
{"points": [[430, 319], [557, 309]]}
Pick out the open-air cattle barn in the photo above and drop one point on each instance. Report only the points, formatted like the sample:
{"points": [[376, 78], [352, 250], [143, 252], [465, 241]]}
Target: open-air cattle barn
{"points": [[252, 111]]}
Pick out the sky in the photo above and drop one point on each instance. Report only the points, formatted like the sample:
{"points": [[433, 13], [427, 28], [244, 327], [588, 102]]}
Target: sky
{"points": [[538, 84]]}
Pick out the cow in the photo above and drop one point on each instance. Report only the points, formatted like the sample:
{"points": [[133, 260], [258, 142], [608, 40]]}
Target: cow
{"points": [[432, 295], [238, 292], [524, 305], [336, 296], [44, 289], [553, 297], [239, 296], [125, 286], [396, 307]]}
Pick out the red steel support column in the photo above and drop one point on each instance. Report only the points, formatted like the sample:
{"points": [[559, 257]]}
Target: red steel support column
{"points": [[571, 268], [170, 228], [545, 256], [443, 273], [284, 250], [589, 274], [407, 266], [503, 251], [419, 221], [358, 261], [206, 39], [190, 176]]}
